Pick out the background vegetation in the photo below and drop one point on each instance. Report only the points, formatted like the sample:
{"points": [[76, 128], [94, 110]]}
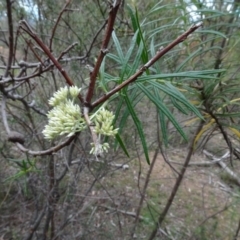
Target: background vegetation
{"points": [[169, 72]]}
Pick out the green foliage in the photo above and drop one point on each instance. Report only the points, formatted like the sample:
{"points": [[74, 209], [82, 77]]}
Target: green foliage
{"points": [[153, 84], [25, 166]]}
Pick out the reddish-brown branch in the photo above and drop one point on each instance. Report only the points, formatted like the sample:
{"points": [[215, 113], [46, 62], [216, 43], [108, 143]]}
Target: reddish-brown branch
{"points": [[159, 54], [56, 24], [10, 43], [24, 25], [30, 45], [103, 51], [66, 50], [48, 151]]}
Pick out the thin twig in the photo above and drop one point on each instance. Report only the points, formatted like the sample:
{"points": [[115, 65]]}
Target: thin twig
{"points": [[176, 186], [67, 50], [49, 151], [4, 114], [56, 24], [237, 232], [209, 217], [34, 227], [69, 161], [205, 163], [95, 138], [95, 37], [161, 148], [10, 37], [143, 193], [24, 26]]}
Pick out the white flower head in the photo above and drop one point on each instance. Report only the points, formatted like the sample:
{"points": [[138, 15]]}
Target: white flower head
{"points": [[59, 96], [99, 149], [74, 91], [103, 126], [103, 123], [62, 95], [65, 117]]}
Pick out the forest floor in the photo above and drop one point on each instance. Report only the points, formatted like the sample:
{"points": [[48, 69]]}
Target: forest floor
{"points": [[205, 207]]}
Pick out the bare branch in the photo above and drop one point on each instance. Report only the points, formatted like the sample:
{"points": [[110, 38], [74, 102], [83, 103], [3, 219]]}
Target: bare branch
{"points": [[56, 24], [143, 193], [10, 44], [24, 25], [48, 151], [67, 50]]}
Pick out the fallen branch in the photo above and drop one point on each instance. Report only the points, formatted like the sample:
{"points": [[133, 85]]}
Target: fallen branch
{"points": [[117, 165], [224, 165], [131, 214], [205, 163]]}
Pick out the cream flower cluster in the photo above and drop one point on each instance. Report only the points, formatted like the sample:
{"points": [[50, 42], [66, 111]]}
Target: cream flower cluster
{"points": [[66, 118], [103, 126], [99, 149], [103, 123]]}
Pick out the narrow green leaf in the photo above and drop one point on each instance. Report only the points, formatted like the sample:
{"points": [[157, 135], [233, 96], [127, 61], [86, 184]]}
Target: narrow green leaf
{"points": [[140, 38], [133, 19], [228, 115], [162, 120], [178, 106], [135, 97], [204, 74], [137, 59], [138, 126], [156, 8], [162, 108], [177, 96], [118, 47], [213, 32], [128, 55], [114, 57], [190, 57], [207, 10], [120, 142]]}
